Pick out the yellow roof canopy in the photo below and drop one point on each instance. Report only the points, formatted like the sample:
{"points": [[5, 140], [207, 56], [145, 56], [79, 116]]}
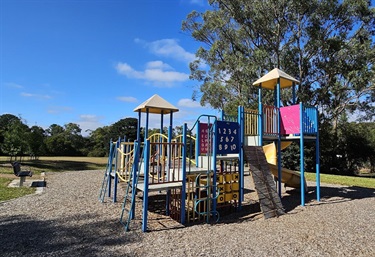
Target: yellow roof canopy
{"points": [[156, 104], [269, 80]]}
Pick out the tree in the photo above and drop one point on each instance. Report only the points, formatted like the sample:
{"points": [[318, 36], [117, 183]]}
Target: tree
{"points": [[15, 138], [5, 122], [327, 45], [65, 140], [356, 146], [73, 137], [54, 130], [124, 128], [35, 141], [99, 142]]}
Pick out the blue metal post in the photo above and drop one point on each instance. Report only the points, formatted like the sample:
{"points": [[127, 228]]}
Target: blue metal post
{"points": [[170, 130], [260, 116], [110, 168], [161, 122], [317, 154], [302, 156], [134, 171], [139, 126], [214, 153], [294, 93], [146, 128], [169, 161], [145, 190], [240, 120], [278, 104], [115, 181], [197, 145], [183, 189]]}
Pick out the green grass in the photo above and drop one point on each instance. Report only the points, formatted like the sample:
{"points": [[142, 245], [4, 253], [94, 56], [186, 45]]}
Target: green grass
{"points": [[343, 180], [56, 164], [7, 193], [43, 164]]}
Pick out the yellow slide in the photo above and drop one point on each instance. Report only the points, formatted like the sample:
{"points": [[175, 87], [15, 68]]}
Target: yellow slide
{"points": [[291, 178]]}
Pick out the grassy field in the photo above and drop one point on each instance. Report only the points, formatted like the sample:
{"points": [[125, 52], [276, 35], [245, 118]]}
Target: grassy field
{"points": [[43, 164], [343, 180], [58, 164]]}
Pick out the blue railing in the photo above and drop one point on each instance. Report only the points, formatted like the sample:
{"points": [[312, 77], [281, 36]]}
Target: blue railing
{"points": [[309, 120]]}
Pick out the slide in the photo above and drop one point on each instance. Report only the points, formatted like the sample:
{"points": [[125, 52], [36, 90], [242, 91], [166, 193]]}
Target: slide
{"points": [[291, 178]]}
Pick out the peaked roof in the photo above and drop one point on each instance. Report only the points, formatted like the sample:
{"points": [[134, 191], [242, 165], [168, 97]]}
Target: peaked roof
{"points": [[156, 104], [269, 80]]}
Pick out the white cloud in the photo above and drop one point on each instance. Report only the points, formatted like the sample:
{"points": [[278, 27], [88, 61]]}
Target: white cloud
{"points": [[158, 65], [59, 109], [39, 96], [156, 72], [13, 85], [168, 48], [160, 75], [197, 2], [127, 99], [125, 69], [189, 103], [88, 122]]}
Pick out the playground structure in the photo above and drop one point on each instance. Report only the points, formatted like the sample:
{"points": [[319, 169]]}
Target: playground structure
{"points": [[204, 174]]}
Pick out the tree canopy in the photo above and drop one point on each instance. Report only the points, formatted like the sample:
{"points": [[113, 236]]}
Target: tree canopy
{"points": [[327, 45]]}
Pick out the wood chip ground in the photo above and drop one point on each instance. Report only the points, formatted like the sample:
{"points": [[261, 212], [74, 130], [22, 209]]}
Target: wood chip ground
{"points": [[68, 220]]}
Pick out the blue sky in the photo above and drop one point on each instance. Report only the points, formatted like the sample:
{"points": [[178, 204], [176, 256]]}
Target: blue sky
{"points": [[91, 62]]}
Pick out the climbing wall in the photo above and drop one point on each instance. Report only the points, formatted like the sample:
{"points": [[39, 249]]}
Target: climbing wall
{"points": [[269, 200]]}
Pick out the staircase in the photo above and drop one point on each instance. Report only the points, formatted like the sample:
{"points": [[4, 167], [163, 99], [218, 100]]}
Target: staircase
{"points": [[269, 200], [128, 206], [108, 172]]}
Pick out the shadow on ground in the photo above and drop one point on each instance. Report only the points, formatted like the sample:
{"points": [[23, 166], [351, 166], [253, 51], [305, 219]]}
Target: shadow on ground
{"points": [[23, 235], [328, 195], [53, 165]]}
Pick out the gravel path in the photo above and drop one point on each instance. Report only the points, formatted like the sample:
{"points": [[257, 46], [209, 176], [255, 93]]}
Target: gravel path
{"points": [[68, 220]]}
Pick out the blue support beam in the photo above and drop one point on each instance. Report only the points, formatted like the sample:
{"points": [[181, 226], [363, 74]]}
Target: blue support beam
{"points": [[197, 144], [145, 190], [302, 156], [278, 104], [115, 180], [139, 126], [260, 117], [183, 189], [214, 154], [134, 171], [241, 121], [317, 158]]}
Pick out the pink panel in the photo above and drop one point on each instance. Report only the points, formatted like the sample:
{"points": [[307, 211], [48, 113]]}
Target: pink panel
{"points": [[290, 123]]}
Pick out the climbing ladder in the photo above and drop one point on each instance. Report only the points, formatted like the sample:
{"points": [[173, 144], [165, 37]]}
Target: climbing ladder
{"points": [[108, 170], [131, 189], [269, 200]]}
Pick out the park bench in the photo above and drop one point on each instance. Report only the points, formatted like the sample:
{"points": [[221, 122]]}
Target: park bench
{"points": [[22, 174]]}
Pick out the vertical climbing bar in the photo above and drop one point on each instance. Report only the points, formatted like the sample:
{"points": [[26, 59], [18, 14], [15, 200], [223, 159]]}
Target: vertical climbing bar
{"points": [[302, 156], [145, 191], [115, 180], [317, 157], [241, 155], [260, 117], [213, 182], [135, 170], [183, 189], [197, 144], [279, 173]]}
